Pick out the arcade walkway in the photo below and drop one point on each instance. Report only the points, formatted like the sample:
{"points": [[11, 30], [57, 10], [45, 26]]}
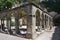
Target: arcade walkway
{"points": [[44, 36]]}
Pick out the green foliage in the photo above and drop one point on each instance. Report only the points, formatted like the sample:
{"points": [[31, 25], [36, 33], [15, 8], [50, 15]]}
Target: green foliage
{"points": [[18, 1], [6, 4], [23, 13], [12, 23], [53, 5]]}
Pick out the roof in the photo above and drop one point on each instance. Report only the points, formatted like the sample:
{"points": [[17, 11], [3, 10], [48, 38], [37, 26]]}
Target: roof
{"points": [[57, 16], [53, 14], [23, 6]]}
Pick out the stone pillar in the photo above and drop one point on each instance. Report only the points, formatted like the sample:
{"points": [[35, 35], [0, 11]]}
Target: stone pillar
{"points": [[43, 21], [29, 27], [40, 22], [51, 23], [2, 25], [48, 23], [8, 24], [20, 24], [1, 21], [31, 24], [17, 22], [17, 25], [34, 35]]}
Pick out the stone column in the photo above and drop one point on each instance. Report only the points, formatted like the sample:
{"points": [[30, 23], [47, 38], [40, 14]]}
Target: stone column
{"points": [[20, 24], [29, 27], [17, 25], [0, 22], [34, 35], [40, 20], [43, 21], [48, 23], [2, 25], [17, 22], [31, 24], [51, 23], [8, 24]]}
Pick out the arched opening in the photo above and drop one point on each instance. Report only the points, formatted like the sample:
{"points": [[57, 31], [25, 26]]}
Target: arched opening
{"points": [[37, 20], [23, 22]]}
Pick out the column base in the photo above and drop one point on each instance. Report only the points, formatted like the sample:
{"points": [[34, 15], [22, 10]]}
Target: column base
{"points": [[29, 36]]}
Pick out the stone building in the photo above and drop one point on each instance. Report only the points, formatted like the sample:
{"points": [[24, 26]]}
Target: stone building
{"points": [[35, 18]]}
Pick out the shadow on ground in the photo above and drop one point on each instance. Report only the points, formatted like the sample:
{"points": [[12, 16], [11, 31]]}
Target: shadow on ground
{"points": [[56, 34]]}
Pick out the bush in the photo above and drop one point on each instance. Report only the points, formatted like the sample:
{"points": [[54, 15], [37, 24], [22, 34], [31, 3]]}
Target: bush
{"points": [[12, 23]]}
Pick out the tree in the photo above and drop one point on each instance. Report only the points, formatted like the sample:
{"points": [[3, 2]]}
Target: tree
{"points": [[6, 4], [53, 5]]}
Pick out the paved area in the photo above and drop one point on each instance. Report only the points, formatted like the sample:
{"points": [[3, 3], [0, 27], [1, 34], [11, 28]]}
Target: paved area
{"points": [[44, 36], [10, 37]]}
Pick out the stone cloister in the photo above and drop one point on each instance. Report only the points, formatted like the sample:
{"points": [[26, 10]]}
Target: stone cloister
{"points": [[34, 18]]}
